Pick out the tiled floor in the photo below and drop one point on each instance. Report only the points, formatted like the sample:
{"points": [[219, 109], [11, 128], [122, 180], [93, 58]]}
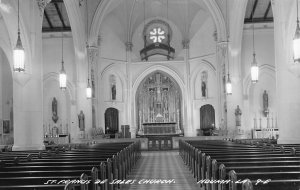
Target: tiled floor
{"points": [[161, 165]]}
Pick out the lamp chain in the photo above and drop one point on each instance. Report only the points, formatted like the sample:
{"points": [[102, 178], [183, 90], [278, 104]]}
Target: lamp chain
{"points": [[62, 40], [18, 17], [87, 43], [227, 28], [297, 13], [253, 28]]}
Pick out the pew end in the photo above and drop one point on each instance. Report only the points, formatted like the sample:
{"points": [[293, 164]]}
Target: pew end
{"points": [[247, 185]]}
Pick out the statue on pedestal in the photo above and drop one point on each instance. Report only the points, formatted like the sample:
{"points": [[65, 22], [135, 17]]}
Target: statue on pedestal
{"points": [[54, 110], [238, 113], [81, 121], [265, 104]]}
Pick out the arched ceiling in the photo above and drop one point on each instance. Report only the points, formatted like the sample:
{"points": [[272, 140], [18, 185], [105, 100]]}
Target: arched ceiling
{"points": [[133, 13]]}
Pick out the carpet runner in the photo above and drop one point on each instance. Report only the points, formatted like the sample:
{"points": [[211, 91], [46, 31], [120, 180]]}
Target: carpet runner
{"points": [[161, 170]]}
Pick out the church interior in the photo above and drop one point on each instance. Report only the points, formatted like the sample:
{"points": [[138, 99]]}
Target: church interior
{"points": [[200, 90]]}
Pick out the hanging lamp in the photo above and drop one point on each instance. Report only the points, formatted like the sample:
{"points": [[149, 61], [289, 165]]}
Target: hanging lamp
{"points": [[89, 87], [18, 52], [254, 65], [62, 74], [228, 82]]}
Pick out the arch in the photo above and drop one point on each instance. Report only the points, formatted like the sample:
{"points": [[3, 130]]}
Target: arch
{"points": [[162, 68], [263, 70], [207, 118], [55, 76], [78, 27], [171, 73], [119, 76], [204, 65], [212, 6]]}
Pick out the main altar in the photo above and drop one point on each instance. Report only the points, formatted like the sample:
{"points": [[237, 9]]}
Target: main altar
{"points": [[158, 105]]}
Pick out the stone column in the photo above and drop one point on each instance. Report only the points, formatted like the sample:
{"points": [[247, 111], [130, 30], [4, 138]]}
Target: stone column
{"points": [[287, 72], [221, 74], [236, 12], [93, 52], [128, 91], [187, 109], [28, 92]]}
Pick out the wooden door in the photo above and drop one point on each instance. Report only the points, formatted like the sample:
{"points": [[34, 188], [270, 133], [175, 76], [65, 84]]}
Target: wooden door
{"points": [[111, 121], [207, 118]]}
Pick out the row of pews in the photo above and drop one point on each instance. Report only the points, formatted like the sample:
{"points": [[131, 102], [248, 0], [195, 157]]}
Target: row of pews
{"points": [[242, 164], [85, 167]]}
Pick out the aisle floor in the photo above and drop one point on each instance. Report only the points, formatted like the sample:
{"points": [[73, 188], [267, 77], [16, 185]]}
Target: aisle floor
{"points": [[161, 165]]}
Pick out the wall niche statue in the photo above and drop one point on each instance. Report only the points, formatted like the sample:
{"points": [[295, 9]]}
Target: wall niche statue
{"points": [[265, 104], [238, 113], [54, 110], [81, 121], [113, 88], [204, 77]]}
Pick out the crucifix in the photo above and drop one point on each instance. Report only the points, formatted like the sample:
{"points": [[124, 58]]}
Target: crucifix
{"points": [[158, 92]]}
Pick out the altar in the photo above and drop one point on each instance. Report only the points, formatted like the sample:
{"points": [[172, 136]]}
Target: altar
{"points": [[159, 128]]}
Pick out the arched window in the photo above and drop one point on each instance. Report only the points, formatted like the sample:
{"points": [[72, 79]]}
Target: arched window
{"points": [[157, 37]]}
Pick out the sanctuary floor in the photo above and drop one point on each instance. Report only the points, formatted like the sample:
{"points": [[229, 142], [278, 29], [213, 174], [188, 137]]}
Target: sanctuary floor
{"points": [[159, 166]]}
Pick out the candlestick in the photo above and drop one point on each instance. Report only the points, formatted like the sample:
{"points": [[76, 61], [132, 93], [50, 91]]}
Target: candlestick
{"points": [[260, 122]]}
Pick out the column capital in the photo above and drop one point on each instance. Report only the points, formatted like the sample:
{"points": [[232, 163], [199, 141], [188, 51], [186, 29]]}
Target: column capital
{"points": [[129, 46], [186, 44], [42, 5], [93, 54]]}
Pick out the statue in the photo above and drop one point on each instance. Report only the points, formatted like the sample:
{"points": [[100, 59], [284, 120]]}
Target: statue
{"points": [[203, 89], [113, 92], [265, 104], [204, 77], [54, 110], [113, 88], [238, 113], [81, 121]]}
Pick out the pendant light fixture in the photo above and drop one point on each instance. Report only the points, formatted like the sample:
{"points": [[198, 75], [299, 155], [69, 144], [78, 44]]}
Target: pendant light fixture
{"points": [[62, 74], [228, 82], [18, 52], [296, 40], [254, 65], [89, 87]]}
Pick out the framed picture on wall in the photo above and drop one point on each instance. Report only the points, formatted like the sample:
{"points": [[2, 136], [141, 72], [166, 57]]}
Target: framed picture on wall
{"points": [[6, 129]]}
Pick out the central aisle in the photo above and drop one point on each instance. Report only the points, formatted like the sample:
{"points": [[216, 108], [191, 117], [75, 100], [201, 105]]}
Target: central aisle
{"points": [[161, 165]]}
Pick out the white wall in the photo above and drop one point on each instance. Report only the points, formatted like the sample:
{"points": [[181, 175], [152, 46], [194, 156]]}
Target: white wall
{"points": [[52, 57], [253, 93]]}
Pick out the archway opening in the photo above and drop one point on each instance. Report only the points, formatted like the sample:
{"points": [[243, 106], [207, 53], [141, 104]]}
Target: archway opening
{"points": [[111, 121], [207, 119], [159, 105]]}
